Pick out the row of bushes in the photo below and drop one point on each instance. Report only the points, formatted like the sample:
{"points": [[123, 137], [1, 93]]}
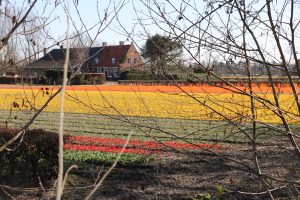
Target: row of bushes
{"points": [[9, 80], [33, 155], [142, 75], [55, 77]]}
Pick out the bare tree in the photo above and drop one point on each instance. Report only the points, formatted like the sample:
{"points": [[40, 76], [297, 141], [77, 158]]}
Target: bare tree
{"points": [[23, 24], [210, 31], [262, 32]]}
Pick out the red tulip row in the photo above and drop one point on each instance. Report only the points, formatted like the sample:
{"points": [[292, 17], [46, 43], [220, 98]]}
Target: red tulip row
{"points": [[114, 145]]}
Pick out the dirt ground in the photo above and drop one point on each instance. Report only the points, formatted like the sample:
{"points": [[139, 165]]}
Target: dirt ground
{"points": [[182, 177]]}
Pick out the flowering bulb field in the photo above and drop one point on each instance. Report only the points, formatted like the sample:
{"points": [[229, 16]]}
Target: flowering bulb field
{"points": [[88, 148], [161, 119], [136, 102], [98, 138], [114, 145]]}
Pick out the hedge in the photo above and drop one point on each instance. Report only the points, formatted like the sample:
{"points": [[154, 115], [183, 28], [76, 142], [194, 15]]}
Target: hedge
{"points": [[33, 155]]}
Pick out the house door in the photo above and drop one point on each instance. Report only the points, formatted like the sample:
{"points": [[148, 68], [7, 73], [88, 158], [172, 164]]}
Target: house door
{"points": [[105, 73]]}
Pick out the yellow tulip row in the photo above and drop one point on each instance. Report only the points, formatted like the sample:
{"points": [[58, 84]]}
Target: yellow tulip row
{"points": [[199, 106]]}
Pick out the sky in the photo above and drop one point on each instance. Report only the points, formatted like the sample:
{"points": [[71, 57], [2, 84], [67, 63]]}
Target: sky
{"points": [[111, 34], [111, 31]]}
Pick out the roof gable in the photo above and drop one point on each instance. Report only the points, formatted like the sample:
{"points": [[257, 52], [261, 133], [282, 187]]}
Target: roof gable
{"points": [[116, 52], [59, 54], [105, 54]]}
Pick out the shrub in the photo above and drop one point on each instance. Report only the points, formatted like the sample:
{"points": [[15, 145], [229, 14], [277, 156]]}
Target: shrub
{"points": [[134, 74], [199, 70], [96, 80], [142, 75], [78, 80], [169, 77], [55, 76], [9, 80], [31, 156]]}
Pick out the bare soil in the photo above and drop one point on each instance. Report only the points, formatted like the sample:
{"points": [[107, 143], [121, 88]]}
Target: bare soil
{"points": [[182, 177]]}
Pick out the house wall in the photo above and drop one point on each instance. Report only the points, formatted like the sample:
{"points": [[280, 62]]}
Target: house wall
{"points": [[111, 61], [114, 59], [132, 60], [34, 73], [108, 71]]}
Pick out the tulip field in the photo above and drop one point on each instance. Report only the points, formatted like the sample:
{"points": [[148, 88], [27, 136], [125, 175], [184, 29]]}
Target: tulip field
{"points": [[205, 104], [163, 119], [99, 138]]}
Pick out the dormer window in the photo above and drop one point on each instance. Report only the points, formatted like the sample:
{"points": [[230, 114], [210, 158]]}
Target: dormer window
{"points": [[113, 61], [96, 60]]}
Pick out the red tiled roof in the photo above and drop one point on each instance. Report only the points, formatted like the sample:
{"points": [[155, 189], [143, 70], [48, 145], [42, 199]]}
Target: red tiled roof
{"points": [[109, 52]]}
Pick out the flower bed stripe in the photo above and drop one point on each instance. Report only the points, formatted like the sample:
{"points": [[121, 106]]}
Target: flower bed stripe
{"points": [[136, 146], [153, 104], [111, 149], [262, 88]]}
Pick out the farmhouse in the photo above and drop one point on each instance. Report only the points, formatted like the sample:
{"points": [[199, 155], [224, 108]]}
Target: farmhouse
{"points": [[108, 60]]}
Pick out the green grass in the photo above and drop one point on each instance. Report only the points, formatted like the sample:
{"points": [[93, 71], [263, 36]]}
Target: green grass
{"points": [[161, 129], [116, 127], [81, 158]]}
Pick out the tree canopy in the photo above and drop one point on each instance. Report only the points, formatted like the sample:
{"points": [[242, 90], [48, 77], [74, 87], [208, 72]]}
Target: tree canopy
{"points": [[161, 52]]}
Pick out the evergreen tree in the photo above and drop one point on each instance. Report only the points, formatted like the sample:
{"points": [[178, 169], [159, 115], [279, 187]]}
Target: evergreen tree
{"points": [[161, 53]]}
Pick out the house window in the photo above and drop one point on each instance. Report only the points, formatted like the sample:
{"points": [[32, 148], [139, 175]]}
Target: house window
{"points": [[115, 70], [113, 61], [131, 60], [98, 69], [96, 60], [109, 72], [134, 60]]}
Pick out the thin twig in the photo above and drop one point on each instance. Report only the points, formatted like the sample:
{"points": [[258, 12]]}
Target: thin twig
{"points": [[67, 173], [110, 169], [61, 123]]}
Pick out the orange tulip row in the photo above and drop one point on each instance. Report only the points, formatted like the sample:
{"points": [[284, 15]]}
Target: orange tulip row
{"points": [[201, 88]]}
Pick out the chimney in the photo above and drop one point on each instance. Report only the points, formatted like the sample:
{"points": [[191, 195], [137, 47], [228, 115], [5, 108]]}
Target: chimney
{"points": [[45, 51], [121, 43], [104, 44]]}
